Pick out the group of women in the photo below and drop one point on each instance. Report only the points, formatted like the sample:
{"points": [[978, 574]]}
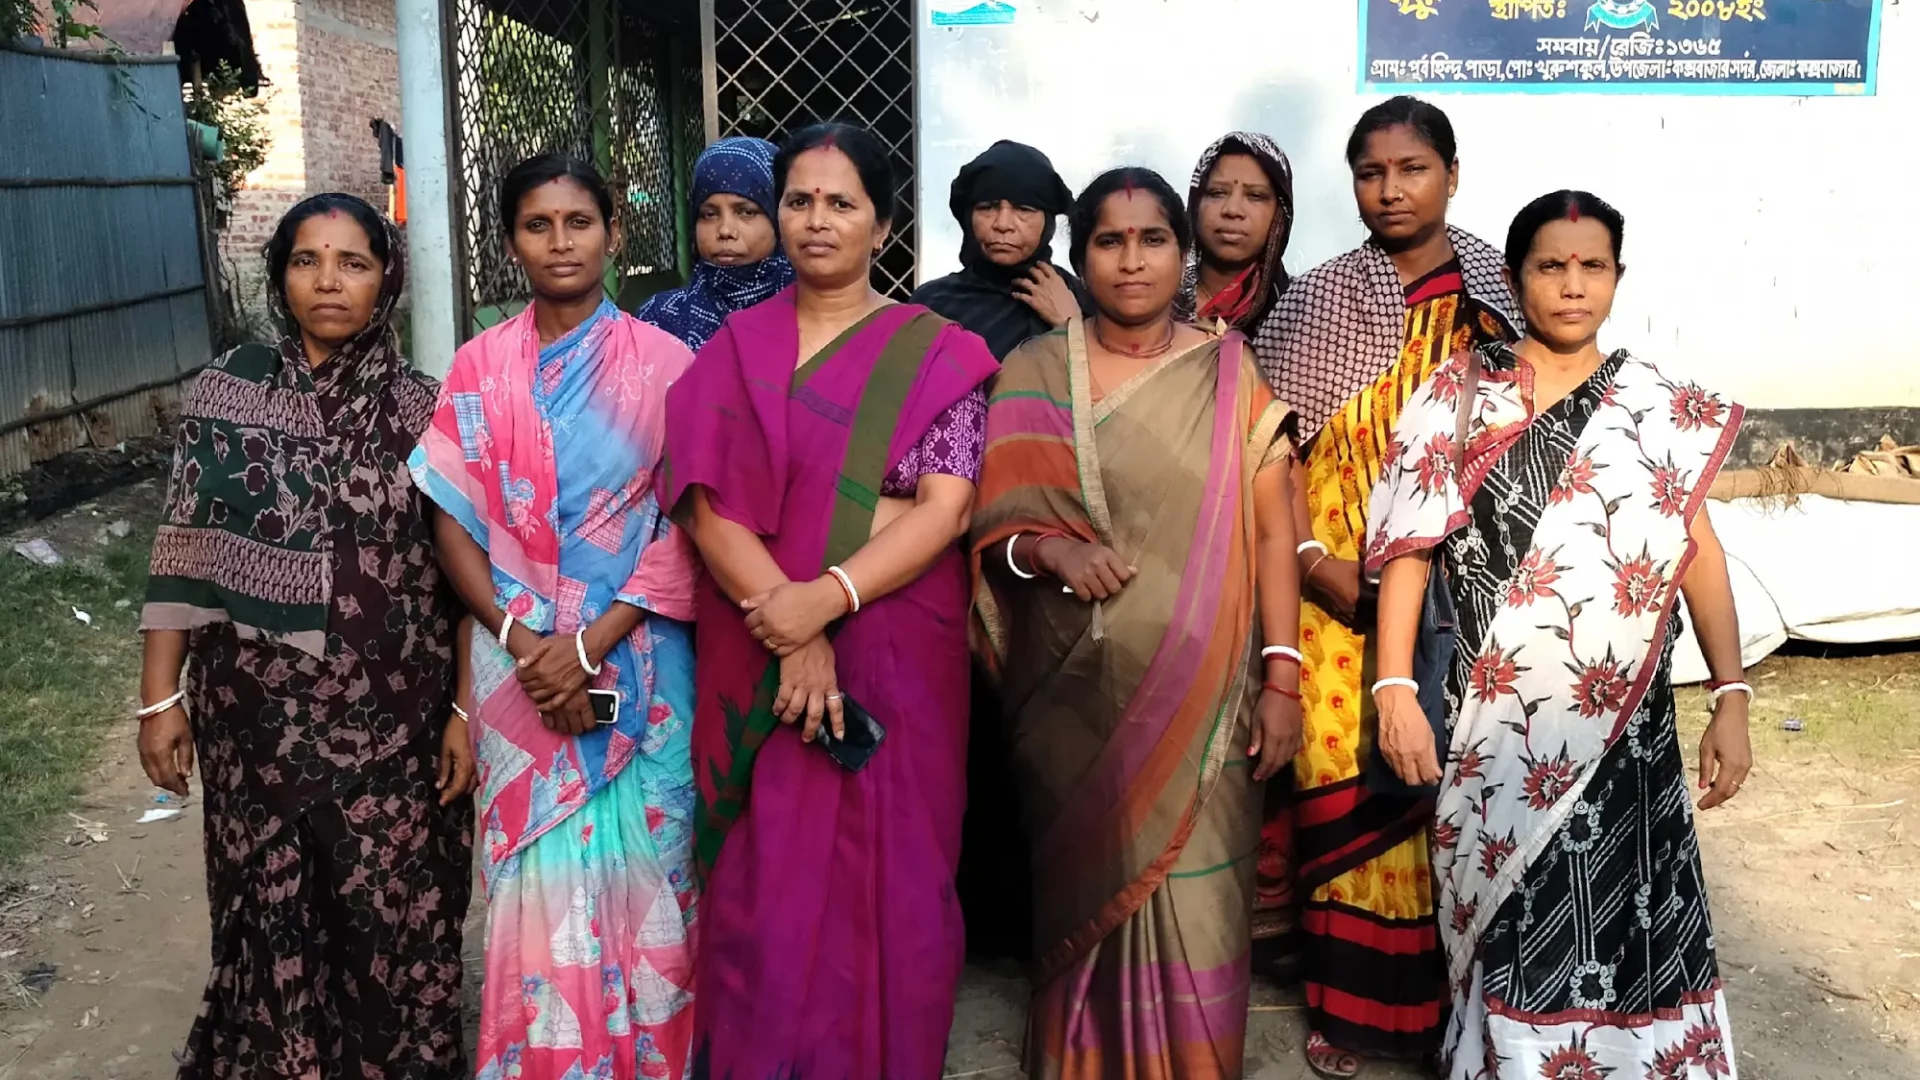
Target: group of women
{"points": [[1312, 627]]}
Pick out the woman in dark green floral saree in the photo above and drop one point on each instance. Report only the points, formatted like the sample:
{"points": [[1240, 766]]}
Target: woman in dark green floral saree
{"points": [[294, 579]]}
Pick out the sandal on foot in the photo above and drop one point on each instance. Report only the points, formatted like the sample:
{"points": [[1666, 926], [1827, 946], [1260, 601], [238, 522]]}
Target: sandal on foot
{"points": [[1329, 1060]]}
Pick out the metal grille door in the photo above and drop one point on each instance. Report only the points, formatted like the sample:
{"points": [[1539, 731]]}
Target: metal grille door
{"points": [[585, 77], [779, 65]]}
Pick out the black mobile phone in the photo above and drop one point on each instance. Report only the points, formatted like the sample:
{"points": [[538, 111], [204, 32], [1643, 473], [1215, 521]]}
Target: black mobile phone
{"points": [[606, 706], [863, 736]]}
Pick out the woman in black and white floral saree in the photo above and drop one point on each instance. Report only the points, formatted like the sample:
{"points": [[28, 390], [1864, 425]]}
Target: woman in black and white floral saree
{"points": [[1569, 891]]}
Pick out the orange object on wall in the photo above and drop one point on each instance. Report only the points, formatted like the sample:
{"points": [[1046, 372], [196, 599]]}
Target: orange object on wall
{"points": [[397, 196]]}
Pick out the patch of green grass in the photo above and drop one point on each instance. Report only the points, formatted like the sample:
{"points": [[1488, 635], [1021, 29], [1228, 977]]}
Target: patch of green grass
{"points": [[63, 684]]}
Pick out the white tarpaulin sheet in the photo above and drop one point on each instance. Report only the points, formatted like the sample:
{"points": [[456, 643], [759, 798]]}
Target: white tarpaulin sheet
{"points": [[1838, 571]]}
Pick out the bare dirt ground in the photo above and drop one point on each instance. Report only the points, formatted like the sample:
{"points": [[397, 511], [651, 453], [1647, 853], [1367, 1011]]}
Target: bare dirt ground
{"points": [[1815, 872]]}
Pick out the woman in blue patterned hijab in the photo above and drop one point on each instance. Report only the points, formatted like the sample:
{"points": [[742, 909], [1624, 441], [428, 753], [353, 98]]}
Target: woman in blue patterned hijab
{"points": [[740, 262]]}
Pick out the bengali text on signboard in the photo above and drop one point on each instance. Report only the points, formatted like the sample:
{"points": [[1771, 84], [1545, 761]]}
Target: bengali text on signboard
{"points": [[1620, 46]]}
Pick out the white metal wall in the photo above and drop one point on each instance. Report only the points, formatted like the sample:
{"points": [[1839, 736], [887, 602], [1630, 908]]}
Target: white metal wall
{"points": [[1771, 241]]}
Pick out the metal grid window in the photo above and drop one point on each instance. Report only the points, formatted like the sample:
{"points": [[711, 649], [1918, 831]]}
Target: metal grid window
{"points": [[587, 77], [780, 65]]}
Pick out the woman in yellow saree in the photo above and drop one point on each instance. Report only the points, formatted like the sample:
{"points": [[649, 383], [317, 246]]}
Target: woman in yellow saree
{"points": [[1350, 343], [1135, 538]]}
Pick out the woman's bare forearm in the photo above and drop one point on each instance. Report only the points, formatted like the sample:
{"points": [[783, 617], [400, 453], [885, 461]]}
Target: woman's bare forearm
{"points": [[611, 628], [162, 655], [469, 569], [899, 553], [1276, 570], [1709, 593], [1297, 501], [1403, 589], [1308, 561], [463, 663], [738, 560]]}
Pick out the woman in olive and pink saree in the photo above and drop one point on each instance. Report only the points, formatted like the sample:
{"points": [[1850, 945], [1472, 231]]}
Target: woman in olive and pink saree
{"points": [[822, 450], [1136, 549]]}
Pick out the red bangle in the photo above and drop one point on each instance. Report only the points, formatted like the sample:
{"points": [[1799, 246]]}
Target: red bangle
{"points": [[1281, 690]]}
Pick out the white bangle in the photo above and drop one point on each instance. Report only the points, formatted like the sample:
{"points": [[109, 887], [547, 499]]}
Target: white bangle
{"points": [[158, 707], [1724, 689], [506, 627], [1017, 572], [1408, 683], [846, 583], [1287, 651], [460, 712], [580, 651], [1309, 545]]}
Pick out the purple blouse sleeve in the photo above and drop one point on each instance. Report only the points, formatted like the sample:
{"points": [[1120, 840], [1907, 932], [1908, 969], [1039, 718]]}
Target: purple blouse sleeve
{"points": [[951, 446]]}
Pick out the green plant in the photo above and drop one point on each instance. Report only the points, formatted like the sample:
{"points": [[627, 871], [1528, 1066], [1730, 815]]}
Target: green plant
{"points": [[67, 29], [221, 101], [58, 698], [20, 18]]}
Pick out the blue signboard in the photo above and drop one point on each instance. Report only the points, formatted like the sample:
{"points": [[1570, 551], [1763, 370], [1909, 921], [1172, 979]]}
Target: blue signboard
{"points": [[1619, 46]]}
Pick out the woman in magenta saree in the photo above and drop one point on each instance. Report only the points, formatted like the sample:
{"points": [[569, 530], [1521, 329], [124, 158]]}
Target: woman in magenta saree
{"points": [[827, 497]]}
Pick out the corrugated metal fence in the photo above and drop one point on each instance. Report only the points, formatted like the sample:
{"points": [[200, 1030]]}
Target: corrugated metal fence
{"points": [[103, 302]]}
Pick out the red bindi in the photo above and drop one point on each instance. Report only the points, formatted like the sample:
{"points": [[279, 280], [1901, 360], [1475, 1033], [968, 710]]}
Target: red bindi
{"points": [[1131, 230]]}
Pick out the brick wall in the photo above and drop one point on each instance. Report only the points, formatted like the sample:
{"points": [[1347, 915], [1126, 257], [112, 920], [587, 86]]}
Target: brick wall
{"points": [[347, 48], [279, 183], [333, 68]]}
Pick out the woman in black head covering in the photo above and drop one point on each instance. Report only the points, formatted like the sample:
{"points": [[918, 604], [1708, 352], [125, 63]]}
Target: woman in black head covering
{"points": [[1006, 201], [1006, 289]]}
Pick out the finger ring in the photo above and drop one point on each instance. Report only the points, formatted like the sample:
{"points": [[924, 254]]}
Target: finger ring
{"points": [[833, 697]]}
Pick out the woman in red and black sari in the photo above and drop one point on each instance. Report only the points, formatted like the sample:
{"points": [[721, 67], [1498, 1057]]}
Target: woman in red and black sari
{"points": [[1349, 343]]}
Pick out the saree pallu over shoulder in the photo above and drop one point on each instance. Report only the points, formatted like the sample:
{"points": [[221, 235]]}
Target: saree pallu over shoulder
{"points": [[1122, 709], [1039, 483], [1341, 324], [260, 465], [488, 459], [1570, 653]]}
